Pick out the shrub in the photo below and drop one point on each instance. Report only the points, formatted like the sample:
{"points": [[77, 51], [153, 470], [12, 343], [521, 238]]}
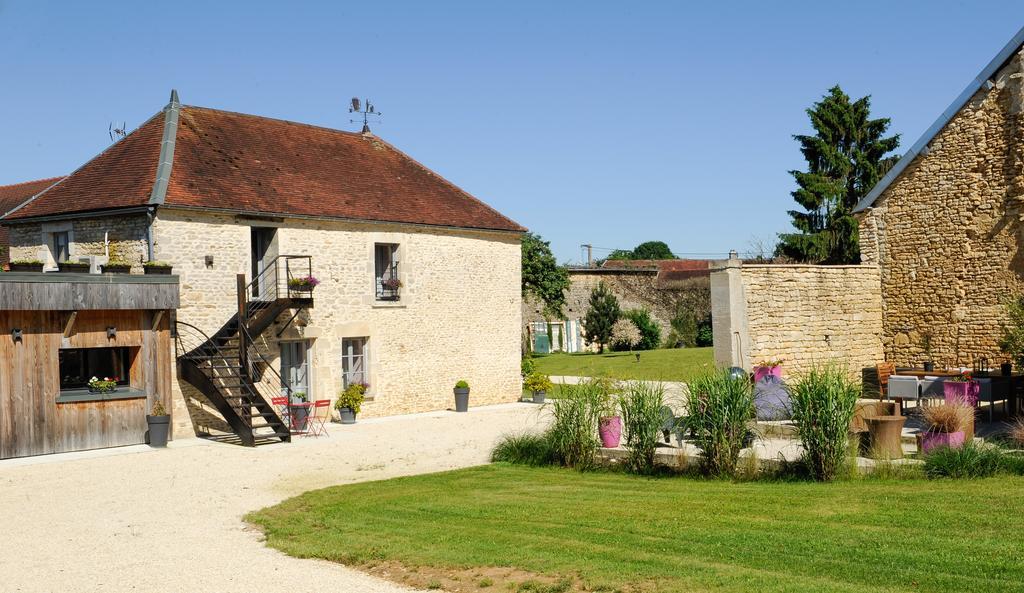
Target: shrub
{"points": [[823, 402], [602, 313], [352, 397], [968, 461], [527, 366], [573, 432], [524, 449], [684, 329], [640, 404], [625, 335], [538, 382], [705, 335], [650, 333], [1016, 433], [719, 406], [462, 384]]}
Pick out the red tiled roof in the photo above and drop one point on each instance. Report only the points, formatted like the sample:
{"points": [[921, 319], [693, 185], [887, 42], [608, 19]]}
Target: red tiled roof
{"points": [[238, 162], [662, 265], [12, 196]]}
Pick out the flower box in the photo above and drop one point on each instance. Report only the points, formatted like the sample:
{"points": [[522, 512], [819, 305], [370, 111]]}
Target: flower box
{"points": [[961, 392], [117, 268], [762, 372], [26, 266], [73, 267], [936, 440]]}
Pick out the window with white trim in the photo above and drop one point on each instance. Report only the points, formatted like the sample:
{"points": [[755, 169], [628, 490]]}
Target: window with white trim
{"points": [[60, 246], [354, 361]]}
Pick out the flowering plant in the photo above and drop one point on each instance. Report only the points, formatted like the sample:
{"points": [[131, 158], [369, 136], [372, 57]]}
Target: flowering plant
{"points": [[770, 363], [392, 283], [303, 283], [352, 397], [963, 377], [104, 385]]}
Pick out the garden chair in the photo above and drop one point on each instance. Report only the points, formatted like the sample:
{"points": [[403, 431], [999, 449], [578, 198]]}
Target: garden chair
{"points": [[281, 405], [884, 370], [318, 417], [902, 389]]}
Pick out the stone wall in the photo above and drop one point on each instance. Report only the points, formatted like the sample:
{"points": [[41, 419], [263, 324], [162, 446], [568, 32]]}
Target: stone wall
{"points": [[459, 316], [803, 314], [947, 233], [121, 238]]}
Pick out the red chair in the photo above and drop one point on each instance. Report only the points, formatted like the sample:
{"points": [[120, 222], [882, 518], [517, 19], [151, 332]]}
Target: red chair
{"points": [[318, 417]]}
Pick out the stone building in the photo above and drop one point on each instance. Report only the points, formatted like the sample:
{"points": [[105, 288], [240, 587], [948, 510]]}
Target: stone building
{"points": [[944, 225], [419, 281], [12, 196], [659, 286]]}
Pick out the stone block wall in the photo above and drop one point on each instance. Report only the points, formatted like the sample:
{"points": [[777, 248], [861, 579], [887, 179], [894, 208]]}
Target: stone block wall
{"points": [[459, 316], [803, 314], [947, 233], [121, 237]]}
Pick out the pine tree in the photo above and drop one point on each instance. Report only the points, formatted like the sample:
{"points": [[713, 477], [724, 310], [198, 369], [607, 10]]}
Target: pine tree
{"points": [[845, 158], [602, 313]]}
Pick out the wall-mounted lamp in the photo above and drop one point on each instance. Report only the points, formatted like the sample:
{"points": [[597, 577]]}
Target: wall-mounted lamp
{"points": [[111, 332], [209, 261], [16, 334]]}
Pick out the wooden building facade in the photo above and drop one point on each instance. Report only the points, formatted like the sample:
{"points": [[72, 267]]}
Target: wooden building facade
{"points": [[57, 332]]}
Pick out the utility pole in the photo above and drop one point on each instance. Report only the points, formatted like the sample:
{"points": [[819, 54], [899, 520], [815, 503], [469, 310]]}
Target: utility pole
{"points": [[590, 254]]}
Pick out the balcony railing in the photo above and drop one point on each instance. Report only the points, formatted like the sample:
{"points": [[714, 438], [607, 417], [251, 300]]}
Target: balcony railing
{"points": [[389, 287]]}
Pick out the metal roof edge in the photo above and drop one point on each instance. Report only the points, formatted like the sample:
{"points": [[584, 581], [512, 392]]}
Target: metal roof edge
{"points": [[986, 73], [166, 159]]}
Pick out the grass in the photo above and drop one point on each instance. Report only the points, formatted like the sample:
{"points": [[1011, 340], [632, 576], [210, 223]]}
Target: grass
{"points": [[612, 531], [675, 364]]}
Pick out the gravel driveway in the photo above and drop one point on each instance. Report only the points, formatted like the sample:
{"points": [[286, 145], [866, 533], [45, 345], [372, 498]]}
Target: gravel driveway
{"points": [[136, 519]]}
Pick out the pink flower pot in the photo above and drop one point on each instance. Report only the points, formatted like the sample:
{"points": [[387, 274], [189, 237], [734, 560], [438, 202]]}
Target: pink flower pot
{"points": [[762, 372], [935, 440], [609, 429], [958, 392]]}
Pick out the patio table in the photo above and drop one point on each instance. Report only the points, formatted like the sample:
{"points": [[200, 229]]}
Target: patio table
{"points": [[298, 417], [1004, 387]]}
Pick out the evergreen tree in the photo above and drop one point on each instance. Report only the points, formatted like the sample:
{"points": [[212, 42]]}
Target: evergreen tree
{"points": [[845, 158], [602, 313], [542, 276]]}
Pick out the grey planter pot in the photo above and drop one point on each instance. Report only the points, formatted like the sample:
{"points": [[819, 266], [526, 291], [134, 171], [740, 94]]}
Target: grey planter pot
{"points": [[159, 430], [461, 399], [347, 415], [539, 396], [158, 270]]}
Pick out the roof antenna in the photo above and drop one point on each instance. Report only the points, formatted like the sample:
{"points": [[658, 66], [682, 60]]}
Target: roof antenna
{"points": [[366, 112], [119, 132]]}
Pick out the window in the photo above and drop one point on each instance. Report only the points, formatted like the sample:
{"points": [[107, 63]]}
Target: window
{"points": [[295, 368], [388, 286], [79, 365], [354, 368], [61, 246]]}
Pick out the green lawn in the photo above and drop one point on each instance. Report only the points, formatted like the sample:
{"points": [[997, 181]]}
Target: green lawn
{"points": [[676, 364], [607, 531]]}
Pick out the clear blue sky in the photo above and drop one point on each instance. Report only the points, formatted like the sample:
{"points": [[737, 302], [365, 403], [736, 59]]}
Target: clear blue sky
{"points": [[609, 123]]}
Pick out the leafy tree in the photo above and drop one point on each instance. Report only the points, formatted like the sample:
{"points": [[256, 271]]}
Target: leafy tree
{"points": [[650, 333], [602, 313], [846, 157], [542, 276], [646, 250]]}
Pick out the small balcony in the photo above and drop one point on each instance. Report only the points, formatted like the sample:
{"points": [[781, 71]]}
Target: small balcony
{"points": [[389, 286]]}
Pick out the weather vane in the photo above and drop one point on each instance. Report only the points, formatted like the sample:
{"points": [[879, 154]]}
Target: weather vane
{"points": [[365, 110]]}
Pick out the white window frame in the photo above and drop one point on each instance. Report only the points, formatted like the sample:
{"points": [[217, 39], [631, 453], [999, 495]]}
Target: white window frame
{"points": [[307, 353], [347, 358]]}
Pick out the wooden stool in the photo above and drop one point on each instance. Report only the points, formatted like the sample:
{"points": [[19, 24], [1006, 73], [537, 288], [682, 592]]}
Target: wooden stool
{"points": [[886, 436]]}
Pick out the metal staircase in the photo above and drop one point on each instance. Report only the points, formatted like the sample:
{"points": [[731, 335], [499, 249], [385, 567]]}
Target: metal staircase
{"points": [[229, 370]]}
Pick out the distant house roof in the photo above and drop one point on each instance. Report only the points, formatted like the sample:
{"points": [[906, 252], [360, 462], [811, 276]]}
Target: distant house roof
{"points": [[12, 196], [973, 87], [203, 158], [669, 272]]}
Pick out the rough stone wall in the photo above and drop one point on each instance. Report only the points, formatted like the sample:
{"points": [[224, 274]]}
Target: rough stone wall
{"points": [[459, 316], [122, 237], [947, 233], [803, 314]]}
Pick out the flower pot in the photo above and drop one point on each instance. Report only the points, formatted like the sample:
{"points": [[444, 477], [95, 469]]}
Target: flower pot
{"points": [[73, 267], [538, 396], [159, 429], [116, 269], [928, 366], [934, 440], [885, 436], [1006, 369], [26, 267], [95, 390], [763, 372], [347, 415], [159, 270], [461, 399], [609, 428], [299, 414], [959, 392]]}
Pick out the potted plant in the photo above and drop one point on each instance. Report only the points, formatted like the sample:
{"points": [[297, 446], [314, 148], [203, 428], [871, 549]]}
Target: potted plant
{"points": [[392, 284], [961, 389], [768, 368], [461, 396], [945, 424], [350, 400], [159, 422], [609, 422], [157, 267], [926, 345], [104, 385], [299, 412], [73, 267], [303, 284], [116, 267], [26, 265], [538, 384]]}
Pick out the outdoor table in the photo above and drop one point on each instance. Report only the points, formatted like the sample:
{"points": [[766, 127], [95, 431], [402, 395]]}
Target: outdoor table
{"points": [[298, 417], [1004, 387]]}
